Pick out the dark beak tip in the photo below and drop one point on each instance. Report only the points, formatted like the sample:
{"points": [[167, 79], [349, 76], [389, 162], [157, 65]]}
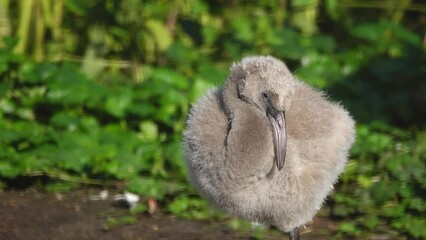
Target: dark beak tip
{"points": [[280, 166]]}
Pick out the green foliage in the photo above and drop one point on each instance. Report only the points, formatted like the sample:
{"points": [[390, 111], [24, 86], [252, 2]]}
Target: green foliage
{"points": [[55, 118], [114, 222], [72, 110], [388, 179], [192, 208], [60, 186]]}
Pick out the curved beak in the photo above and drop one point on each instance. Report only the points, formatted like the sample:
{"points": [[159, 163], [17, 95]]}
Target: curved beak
{"points": [[278, 123]]}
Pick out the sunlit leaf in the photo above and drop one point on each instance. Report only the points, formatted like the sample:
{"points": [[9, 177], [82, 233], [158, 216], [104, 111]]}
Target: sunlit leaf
{"points": [[161, 35]]}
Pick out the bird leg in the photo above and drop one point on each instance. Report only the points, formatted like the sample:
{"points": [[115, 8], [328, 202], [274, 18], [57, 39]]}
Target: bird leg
{"points": [[294, 234]]}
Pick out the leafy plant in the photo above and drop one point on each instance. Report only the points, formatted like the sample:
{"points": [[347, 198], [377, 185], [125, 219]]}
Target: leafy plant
{"points": [[101, 95]]}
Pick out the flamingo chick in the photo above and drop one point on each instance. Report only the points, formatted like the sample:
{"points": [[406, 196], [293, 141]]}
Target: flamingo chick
{"points": [[267, 147]]}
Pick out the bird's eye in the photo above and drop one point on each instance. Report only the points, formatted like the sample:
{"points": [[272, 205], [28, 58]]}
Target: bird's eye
{"points": [[265, 96]]}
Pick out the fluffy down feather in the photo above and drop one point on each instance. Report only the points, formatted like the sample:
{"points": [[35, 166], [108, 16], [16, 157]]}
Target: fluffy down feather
{"points": [[229, 145]]}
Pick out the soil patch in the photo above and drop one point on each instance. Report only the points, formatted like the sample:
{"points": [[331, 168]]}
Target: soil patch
{"points": [[32, 214]]}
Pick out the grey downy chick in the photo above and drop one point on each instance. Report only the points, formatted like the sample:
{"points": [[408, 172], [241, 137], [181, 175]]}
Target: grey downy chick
{"points": [[267, 147]]}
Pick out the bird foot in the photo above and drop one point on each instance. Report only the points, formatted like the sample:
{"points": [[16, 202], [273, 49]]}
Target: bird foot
{"points": [[294, 234]]}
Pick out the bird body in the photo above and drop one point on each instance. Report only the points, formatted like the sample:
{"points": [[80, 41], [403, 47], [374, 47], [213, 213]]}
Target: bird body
{"points": [[267, 147]]}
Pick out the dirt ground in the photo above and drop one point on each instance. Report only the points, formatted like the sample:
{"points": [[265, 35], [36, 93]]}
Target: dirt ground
{"points": [[32, 214]]}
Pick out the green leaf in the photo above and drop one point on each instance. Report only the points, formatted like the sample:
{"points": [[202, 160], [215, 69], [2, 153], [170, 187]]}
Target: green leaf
{"points": [[168, 76], [190, 208], [60, 187], [139, 208], [68, 120], [114, 222], [305, 16], [69, 86], [372, 32], [148, 187], [332, 8], [8, 171], [162, 37], [37, 73], [243, 29], [349, 228], [117, 104], [5, 87], [382, 191], [149, 131]]}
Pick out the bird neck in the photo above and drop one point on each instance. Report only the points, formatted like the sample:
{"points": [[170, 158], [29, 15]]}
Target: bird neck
{"points": [[249, 144], [230, 97]]}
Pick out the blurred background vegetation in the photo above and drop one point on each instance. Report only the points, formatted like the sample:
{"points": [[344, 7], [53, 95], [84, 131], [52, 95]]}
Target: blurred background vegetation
{"points": [[97, 92]]}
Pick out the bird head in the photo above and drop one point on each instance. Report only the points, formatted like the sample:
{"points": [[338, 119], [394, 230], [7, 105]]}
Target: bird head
{"points": [[267, 85]]}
